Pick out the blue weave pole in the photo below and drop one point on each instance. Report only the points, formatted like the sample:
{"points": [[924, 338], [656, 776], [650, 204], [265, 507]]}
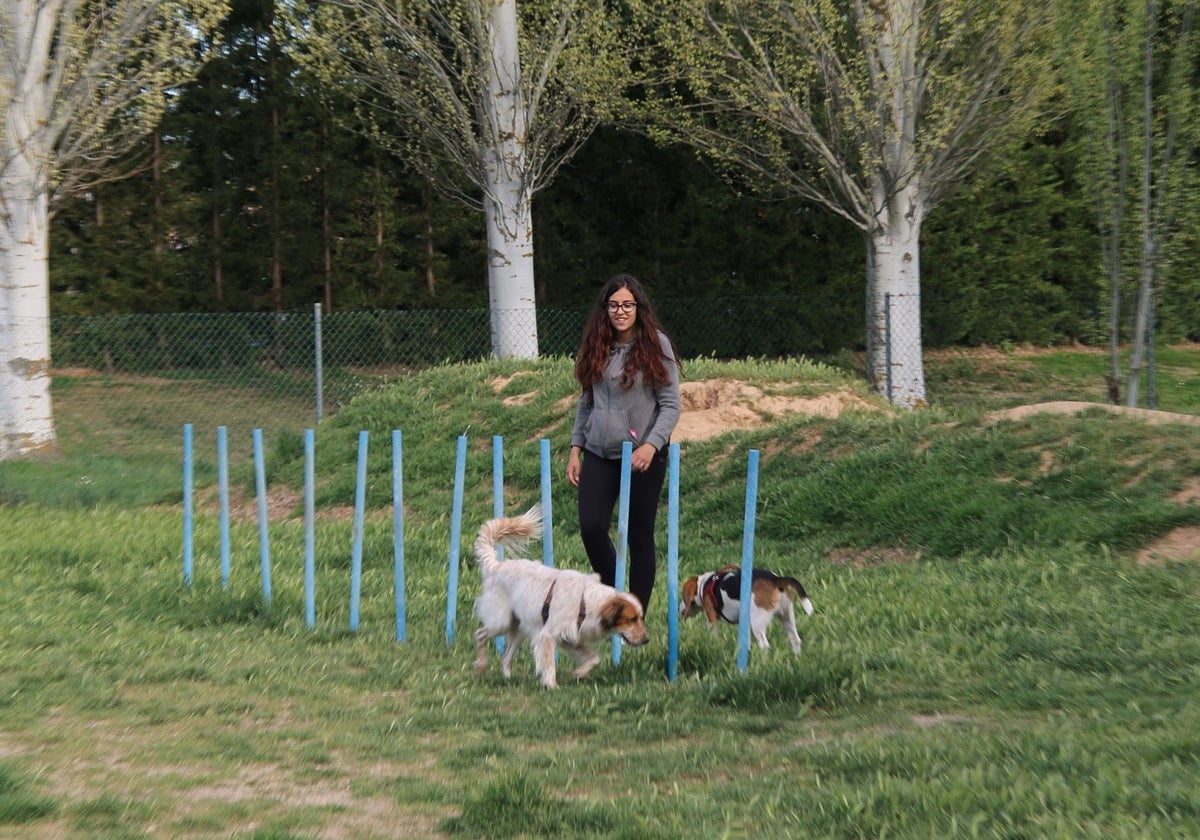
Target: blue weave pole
{"points": [[747, 561], [622, 533], [223, 495], [188, 523], [547, 511], [310, 583], [460, 469], [264, 546], [398, 535], [673, 562], [498, 501], [360, 503]]}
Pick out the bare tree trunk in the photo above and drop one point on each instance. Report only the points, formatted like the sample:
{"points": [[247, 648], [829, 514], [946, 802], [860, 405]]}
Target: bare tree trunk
{"points": [[507, 201], [276, 204], [218, 277], [1111, 202], [214, 164], [26, 420], [160, 225], [1146, 262], [326, 223], [380, 238], [430, 251], [1158, 193], [895, 363]]}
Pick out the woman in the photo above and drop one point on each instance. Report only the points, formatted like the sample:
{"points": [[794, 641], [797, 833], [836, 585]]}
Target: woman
{"points": [[629, 391]]}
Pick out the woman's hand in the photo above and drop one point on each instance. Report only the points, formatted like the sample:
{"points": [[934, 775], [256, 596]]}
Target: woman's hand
{"points": [[573, 465], [642, 456]]}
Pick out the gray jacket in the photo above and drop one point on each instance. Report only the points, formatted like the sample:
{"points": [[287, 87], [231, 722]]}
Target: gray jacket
{"points": [[639, 415]]}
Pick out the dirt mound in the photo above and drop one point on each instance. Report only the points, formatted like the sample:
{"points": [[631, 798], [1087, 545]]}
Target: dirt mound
{"points": [[714, 406], [1074, 407]]}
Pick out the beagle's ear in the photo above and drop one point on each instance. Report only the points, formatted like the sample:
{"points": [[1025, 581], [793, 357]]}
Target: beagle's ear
{"points": [[688, 592], [687, 597]]}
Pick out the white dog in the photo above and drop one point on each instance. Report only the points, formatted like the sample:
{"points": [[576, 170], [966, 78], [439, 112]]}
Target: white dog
{"points": [[552, 607]]}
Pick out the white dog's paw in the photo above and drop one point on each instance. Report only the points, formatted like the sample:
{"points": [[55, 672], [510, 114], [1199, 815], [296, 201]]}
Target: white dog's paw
{"points": [[586, 666]]}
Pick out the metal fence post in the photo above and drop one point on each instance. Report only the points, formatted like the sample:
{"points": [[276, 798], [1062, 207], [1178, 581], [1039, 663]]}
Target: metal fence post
{"points": [[1151, 379], [317, 355], [887, 341]]}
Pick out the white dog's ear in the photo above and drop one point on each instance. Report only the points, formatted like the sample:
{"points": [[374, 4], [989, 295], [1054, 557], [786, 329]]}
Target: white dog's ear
{"points": [[595, 576]]}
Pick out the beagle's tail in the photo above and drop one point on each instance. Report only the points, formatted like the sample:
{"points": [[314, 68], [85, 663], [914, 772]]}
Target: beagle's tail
{"points": [[510, 531], [801, 596]]}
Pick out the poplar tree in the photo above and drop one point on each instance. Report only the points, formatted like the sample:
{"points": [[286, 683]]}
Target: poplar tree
{"points": [[81, 83], [1135, 72], [876, 111], [495, 95]]}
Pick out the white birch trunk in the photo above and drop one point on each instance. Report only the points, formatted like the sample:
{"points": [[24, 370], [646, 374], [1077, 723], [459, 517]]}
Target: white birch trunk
{"points": [[1141, 327], [895, 363], [507, 199], [895, 358], [1141, 322], [26, 421]]}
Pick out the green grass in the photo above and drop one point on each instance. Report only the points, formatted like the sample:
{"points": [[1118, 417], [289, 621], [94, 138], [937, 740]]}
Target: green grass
{"points": [[988, 658]]}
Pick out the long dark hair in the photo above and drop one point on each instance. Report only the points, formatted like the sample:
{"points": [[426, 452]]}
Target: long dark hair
{"points": [[646, 355]]}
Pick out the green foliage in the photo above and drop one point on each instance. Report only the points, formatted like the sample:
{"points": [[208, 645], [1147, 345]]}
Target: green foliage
{"points": [[1016, 259]]}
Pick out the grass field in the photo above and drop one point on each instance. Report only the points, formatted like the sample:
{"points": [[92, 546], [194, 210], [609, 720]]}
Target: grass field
{"points": [[1006, 641]]}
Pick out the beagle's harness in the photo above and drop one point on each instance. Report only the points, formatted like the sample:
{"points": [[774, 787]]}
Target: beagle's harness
{"points": [[713, 590]]}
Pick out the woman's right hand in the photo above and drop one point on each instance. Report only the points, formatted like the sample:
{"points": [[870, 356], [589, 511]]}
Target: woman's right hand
{"points": [[573, 466]]}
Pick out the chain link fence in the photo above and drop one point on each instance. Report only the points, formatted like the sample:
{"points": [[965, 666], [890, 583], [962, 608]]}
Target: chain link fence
{"points": [[332, 356]]}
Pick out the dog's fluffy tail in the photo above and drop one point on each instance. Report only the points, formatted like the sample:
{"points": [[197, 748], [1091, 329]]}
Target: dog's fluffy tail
{"points": [[511, 531], [801, 595]]}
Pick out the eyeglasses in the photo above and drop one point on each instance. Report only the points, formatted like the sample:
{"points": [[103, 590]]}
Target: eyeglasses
{"points": [[622, 306]]}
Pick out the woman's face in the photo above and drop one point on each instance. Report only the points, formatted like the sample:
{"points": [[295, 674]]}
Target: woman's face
{"points": [[622, 312]]}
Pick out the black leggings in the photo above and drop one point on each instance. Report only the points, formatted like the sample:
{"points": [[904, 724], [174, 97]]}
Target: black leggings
{"points": [[599, 488]]}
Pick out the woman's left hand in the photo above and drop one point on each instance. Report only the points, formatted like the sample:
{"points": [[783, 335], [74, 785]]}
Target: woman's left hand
{"points": [[642, 456]]}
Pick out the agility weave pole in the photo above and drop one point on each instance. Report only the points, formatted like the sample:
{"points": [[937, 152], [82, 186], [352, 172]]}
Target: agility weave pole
{"points": [[743, 657], [309, 545], [360, 493], [223, 485], [673, 507], [673, 562], [622, 533], [398, 536], [460, 468], [310, 573], [498, 502], [187, 505], [264, 546]]}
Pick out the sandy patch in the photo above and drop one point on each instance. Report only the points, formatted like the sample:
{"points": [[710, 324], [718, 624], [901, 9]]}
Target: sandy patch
{"points": [[713, 407], [1182, 544], [1074, 407]]}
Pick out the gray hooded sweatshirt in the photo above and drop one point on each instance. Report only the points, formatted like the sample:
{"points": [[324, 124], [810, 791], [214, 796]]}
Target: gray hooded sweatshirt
{"points": [[639, 415]]}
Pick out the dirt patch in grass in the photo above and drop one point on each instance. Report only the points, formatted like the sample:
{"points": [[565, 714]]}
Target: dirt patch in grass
{"points": [[1182, 544], [713, 407], [1074, 407], [861, 558]]}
